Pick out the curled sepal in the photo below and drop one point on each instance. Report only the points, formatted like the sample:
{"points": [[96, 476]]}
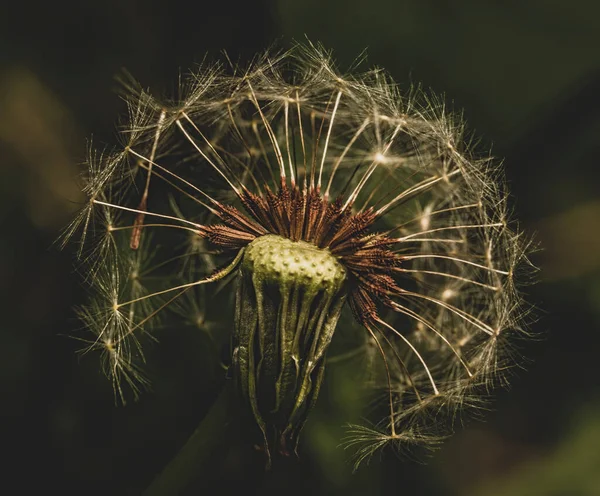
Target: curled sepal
{"points": [[289, 300]]}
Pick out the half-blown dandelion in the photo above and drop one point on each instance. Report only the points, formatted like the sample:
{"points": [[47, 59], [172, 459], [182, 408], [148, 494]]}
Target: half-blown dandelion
{"points": [[316, 193]]}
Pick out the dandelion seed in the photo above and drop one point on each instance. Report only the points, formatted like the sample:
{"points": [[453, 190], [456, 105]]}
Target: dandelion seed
{"points": [[318, 193]]}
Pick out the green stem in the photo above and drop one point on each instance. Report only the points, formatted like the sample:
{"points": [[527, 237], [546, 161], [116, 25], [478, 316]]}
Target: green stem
{"points": [[209, 443]]}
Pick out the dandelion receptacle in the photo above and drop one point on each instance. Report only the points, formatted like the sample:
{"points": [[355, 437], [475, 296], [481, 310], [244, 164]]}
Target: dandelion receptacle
{"points": [[312, 194]]}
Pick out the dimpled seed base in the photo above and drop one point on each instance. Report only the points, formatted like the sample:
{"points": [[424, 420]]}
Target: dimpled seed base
{"points": [[282, 261]]}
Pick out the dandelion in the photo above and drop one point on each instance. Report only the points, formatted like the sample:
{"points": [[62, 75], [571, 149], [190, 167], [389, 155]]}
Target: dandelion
{"points": [[312, 194]]}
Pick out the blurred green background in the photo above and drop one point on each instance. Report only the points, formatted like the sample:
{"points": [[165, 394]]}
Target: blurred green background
{"points": [[527, 75]]}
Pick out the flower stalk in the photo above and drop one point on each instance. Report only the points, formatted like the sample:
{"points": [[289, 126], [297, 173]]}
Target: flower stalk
{"points": [[208, 445]]}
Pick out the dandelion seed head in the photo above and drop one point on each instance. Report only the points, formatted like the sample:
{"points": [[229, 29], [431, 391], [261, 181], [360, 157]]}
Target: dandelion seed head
{"points": [[319, 193]]}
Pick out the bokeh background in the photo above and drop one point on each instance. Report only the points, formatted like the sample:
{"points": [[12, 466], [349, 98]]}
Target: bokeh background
{"points": [[527, 75]]}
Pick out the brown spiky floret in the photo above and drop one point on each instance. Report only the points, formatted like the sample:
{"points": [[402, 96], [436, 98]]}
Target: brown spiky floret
{"points": [[304, 215]]}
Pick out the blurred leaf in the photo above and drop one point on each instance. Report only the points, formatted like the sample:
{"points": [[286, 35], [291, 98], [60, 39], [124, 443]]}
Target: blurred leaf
{"points": [[571, 242], [40, 135], [571, 470]]}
